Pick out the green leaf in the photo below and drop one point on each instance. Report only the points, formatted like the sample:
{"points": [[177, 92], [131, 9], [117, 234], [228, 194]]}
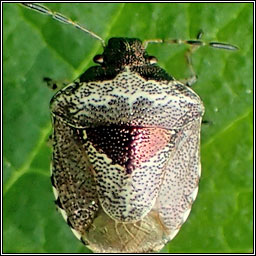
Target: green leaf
{"points": [[36, 46]]}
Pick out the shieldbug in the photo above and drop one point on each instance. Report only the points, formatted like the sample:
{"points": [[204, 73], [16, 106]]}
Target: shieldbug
{"points": [[126, 139]]}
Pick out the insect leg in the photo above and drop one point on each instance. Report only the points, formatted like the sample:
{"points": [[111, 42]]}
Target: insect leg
{"points": [[194, 45], [188, 55], [53, 84]]}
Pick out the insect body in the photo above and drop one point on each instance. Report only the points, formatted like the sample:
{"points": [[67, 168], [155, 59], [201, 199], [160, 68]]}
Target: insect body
{"points": [[126, 138]]}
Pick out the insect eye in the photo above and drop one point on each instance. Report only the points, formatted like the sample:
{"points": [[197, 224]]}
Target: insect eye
{"points": [[152, 59], [98, 59]]}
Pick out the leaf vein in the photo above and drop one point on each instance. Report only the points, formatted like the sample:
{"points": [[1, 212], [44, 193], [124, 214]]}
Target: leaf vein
{"points": [[25, 167]]}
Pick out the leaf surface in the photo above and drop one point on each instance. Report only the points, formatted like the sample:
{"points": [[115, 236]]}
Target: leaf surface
{"points": [[36, 46]]}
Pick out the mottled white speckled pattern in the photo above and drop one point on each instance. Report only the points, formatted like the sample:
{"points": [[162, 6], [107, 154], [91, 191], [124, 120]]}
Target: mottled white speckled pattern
{"points": [[128, 100], [126, 146], [126, 160]]}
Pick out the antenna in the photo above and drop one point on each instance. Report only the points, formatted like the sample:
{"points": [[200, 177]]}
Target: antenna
{"points": [[197, 43], [61, 18]]}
